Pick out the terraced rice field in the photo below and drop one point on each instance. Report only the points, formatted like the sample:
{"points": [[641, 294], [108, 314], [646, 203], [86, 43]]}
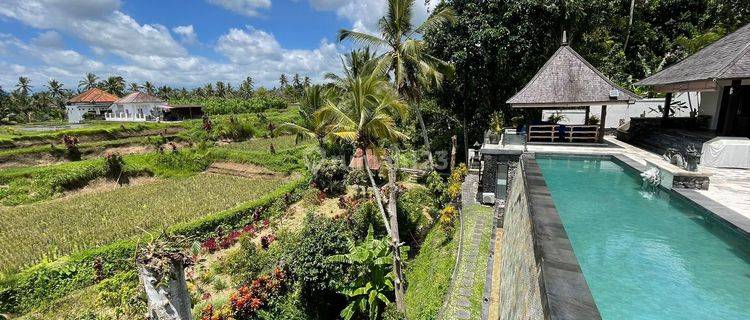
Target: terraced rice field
{"points": [[29, 233]]}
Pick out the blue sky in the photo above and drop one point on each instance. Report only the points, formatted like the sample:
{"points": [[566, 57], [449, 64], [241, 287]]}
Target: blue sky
{"points": [[179, 43]]}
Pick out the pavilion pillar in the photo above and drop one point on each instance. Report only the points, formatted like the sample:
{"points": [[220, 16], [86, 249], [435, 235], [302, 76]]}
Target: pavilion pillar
{"points": [[666, 109], [602, 123], [586, 117]]}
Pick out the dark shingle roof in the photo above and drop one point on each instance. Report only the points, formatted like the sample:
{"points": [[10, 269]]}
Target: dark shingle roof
{"points": [[138, 97], [93, 96], [727, 58], [567, 79]]}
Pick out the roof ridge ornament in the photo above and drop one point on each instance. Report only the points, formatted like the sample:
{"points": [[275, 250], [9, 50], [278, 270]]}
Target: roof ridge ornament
{"points": [[564, 38]]}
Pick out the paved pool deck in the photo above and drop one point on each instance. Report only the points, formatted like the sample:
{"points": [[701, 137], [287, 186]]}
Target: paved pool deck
{"points": [[728, 187]]}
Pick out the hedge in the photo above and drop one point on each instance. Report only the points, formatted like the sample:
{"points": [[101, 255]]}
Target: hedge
{"points": [[47, 281]]}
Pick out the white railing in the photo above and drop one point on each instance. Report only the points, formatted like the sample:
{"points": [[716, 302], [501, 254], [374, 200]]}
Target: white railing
{"points": [[121, 116]]}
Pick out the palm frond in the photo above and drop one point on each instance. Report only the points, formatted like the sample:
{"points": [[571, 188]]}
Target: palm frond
{"points": [[445, 15], [360, 38]]}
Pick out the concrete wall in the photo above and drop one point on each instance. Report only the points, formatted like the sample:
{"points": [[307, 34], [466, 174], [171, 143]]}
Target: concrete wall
{"points": [[520, 295], [617, 115]]}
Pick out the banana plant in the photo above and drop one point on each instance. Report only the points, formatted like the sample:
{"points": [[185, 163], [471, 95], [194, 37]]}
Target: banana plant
{"points": [[373, 285]]}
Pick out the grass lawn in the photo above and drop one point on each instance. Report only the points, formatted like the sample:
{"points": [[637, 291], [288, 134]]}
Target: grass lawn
{"points": [[429, 274], [57, 227]]}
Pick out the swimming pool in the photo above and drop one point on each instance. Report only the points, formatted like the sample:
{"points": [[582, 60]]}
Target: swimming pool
{"points": [[647, 255]]}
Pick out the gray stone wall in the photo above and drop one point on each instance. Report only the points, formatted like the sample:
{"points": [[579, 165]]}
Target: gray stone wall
{"points": [[690, 182], [520, 295]]}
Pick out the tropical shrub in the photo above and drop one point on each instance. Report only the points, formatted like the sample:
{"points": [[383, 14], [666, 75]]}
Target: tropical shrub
{"points": [[436, 187], [365, 216], [250, 298], [318, 278], [329, 176], [447, 217], [124, 294], [414, 214], [358, 178], [373, 279], [113, 166], [71, 146]]}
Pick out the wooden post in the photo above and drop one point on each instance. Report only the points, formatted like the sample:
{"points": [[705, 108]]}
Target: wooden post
{"points": [[586, 117], [602, 123], [667, 104]]}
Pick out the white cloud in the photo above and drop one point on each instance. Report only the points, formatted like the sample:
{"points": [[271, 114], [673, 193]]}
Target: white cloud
{"points": [[98, 23], [49, 39], [187, 34], [146, 52], [259, 54], [364, 14], [244, 7]]}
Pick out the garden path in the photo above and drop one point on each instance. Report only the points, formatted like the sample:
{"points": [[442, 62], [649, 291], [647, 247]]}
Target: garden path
{"points": [[466, 296]]}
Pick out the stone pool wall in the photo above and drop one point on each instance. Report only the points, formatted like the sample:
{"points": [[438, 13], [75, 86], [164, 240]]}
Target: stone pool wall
{"points": [[520, 293]]}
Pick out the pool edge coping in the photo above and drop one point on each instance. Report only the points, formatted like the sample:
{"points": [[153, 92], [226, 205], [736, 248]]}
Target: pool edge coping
{"points": [[564, 291]]}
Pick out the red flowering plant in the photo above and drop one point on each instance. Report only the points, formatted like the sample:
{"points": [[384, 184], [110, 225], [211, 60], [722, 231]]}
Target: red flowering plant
{"points": [[260, 292]]}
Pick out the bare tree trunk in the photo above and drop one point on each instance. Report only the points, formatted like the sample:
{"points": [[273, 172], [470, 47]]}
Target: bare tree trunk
{"points": [[630, 25], [378, 197], [424, 135], [395, 240]]}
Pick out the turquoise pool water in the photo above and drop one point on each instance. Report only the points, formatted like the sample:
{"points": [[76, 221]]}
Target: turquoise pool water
{"points": [[645, 255]]}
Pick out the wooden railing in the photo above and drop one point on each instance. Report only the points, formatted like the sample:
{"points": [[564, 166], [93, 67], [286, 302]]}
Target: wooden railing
{"points": [[570, 133]]}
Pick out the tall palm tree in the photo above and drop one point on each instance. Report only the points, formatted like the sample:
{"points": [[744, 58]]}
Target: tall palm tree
{"points": [[88, 82], [312, 125], [246, 88], [114, 85], [23, 86], [413, 68], [133, 87], [149, 87], [365, 116], [56, 91]]}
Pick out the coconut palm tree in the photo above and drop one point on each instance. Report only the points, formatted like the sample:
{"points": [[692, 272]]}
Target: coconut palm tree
{"points": [[149, 87], [114, 85], [365, 116], [56, 91], [88, 82], [413, 68], [23, 86], [312, 125], [134, 87]]}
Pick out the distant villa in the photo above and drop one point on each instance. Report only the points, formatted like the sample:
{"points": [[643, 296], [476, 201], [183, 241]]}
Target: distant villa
{"points": [[135, 107]]}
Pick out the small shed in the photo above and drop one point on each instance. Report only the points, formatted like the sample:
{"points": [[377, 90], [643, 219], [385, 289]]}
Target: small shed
{"points": [[373, 161], [567, 80]]}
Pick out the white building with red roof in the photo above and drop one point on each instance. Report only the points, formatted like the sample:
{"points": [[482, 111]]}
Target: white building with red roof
{"points": [[92, 103]]}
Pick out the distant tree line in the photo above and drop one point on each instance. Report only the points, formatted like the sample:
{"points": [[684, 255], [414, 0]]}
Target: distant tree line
{"points": [[23, 104]]}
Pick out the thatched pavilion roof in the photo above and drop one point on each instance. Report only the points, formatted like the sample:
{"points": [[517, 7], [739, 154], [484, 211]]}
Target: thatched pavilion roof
{"points": [[727, 58], [568, 80]]}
